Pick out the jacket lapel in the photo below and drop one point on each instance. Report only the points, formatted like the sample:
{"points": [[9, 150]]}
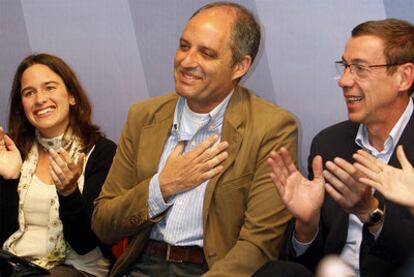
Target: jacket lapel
{"points": [[152, 140], [232, 132], [407, 141]]}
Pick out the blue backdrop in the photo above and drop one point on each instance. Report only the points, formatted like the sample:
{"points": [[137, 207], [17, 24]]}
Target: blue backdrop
{"points": [[123, 50]]}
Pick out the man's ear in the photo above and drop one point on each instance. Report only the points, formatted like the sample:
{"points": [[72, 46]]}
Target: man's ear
{"points": [[241, 67], [406, 72]]}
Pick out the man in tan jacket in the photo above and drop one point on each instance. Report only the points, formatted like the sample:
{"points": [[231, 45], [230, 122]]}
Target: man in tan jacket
{"points": [[189, 186]]}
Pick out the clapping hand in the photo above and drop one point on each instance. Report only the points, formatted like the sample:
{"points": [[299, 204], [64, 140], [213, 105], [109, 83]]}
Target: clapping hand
{"points": [[395, 184], [301, 196], [10, 158], [64, 171], [344, 187]]}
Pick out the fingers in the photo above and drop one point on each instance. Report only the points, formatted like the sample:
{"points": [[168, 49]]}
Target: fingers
{"points": [[57, 162], [179, 148], [185, 171], [278, 184], [278, 174], [335, 183], [70, 163], [64, 168], [57, 174], [367, 172], [211, 173], [9, 143], [212, 152], [63, 187], [6, 143], [336, 196], [317, 167], [287, 160], [369, 161], [216, 160], [211, 161], [282, 167], [203, 146], [344, 187], [402, 158], [213, 167], [55, 179], [2, 144], [278, 167], [370, 182], [281, 163], [339, 175]]}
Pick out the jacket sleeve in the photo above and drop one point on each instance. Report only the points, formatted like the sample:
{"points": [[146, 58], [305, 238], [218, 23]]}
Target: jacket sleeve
{"points": [[121, 209], [395, 242], [312, 255], [76, 210]]}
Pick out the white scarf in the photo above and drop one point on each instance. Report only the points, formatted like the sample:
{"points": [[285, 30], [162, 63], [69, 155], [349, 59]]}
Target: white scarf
{"points": [[57, 247]]}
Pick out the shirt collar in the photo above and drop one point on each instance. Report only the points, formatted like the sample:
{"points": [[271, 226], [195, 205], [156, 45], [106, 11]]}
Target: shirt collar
{"points": [[394, 136], [216, 115]]}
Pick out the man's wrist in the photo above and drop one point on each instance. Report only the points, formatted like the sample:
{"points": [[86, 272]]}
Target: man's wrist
{"points": [[364, 215], [306, 231], [376, 217], [373, 216]]}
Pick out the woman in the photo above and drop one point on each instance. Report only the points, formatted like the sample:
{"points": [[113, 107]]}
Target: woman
{"points": [[53, 164]]}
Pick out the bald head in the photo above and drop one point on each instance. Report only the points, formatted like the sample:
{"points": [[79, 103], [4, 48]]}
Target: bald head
{"points": [[245, 31]]}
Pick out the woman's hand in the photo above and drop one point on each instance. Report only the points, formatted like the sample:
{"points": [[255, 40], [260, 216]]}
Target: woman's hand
{"points": [[10, 158], [65, 171], [395, 184]]}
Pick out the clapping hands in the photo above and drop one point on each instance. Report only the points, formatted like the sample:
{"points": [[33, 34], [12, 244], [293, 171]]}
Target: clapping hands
{"points": [[64, 171], [395, 184], [10, 158]]}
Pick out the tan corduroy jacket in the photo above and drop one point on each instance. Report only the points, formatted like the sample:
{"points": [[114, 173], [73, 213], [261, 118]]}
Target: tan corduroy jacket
{"points": [[243, 216]]}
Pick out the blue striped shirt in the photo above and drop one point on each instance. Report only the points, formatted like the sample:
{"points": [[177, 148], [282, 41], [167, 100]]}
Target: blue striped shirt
{"points": [[183, 222]]}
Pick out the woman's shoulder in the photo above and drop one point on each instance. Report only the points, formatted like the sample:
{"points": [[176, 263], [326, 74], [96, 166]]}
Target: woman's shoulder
{"points": [[103, 143], [102, 153]]}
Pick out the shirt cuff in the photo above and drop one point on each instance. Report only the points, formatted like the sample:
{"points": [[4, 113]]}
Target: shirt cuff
{"points": [[301, 247], [156, 203]]}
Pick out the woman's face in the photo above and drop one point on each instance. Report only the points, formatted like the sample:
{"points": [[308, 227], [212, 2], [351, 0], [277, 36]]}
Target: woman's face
{"points": [[46, 100]]}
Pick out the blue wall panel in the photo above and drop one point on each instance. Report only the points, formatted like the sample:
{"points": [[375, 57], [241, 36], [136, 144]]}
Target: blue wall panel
{"points": [[123, 50]]}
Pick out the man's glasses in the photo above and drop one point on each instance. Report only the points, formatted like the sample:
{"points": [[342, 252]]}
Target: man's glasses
{"points": [[359, 70]]}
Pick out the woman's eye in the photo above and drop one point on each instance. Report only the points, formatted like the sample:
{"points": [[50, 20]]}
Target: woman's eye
{"points": [[27, 93]]}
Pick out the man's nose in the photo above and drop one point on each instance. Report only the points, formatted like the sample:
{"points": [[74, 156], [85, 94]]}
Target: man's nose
{"points": [[190, 59], [346, 79]]}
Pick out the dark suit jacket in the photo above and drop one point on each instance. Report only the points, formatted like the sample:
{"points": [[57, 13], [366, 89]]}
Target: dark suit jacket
{"points": [[396, 241]]}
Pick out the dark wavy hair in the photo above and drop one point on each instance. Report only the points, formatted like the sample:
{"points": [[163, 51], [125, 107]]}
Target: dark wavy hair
{"points": [[23, 132]]}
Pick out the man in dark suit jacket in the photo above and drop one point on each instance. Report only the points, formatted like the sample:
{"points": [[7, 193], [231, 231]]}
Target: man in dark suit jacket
{"points": [[371, 235]]}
